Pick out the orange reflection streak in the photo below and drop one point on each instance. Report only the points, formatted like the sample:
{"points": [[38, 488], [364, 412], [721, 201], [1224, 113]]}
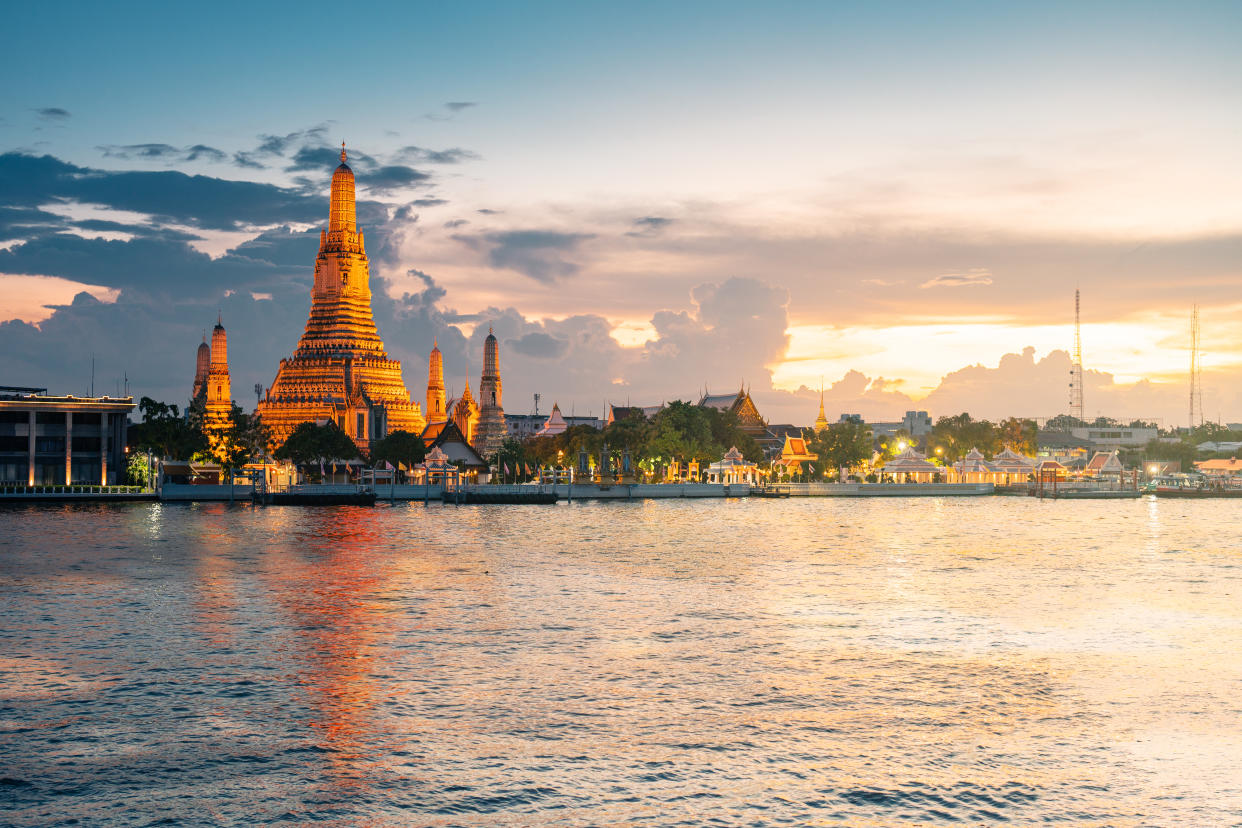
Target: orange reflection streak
{"points": [[339, 624]]}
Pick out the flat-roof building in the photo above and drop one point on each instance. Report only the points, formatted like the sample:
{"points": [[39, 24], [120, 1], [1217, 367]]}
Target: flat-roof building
{"points": [[62, 440]]}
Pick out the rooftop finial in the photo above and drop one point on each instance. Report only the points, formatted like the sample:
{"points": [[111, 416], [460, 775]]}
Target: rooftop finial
{"points": [[219, 318], [342, 152]]}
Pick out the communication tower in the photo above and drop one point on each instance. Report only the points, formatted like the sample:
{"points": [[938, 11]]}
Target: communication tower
{"points": [[1076, 378], [1196, 373]]}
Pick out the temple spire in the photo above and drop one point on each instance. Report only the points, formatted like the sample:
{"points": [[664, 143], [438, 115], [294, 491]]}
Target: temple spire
{"points": [[342, 152]]}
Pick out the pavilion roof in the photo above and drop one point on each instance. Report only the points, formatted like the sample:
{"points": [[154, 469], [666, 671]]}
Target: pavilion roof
{"points": [[1012, 462], [973, 463], [908, 462]]}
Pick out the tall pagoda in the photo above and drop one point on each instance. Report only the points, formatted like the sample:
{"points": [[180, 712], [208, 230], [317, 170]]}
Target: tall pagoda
{"points": [[492, 429], [339, 370]]}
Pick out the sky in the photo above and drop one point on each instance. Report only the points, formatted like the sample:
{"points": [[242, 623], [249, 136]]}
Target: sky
{"points": [[895, 201]]}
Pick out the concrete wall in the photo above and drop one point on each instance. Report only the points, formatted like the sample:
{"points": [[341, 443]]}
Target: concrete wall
{"points": [[888, 489], [179, 492]]}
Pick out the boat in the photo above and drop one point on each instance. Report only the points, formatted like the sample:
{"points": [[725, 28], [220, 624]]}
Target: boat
{"points": [[1186, 485]]}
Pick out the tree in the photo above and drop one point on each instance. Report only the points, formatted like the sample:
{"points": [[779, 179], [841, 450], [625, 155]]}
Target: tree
{"points": [[165, 432], [959, 434], [312, 443], [683, 433], [727, 432], [1019, 435], [1063, 422], [842, 445], [511, 460], [399, 447]]}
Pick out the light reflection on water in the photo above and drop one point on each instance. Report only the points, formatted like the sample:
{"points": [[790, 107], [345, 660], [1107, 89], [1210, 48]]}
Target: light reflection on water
{"points": [[857, 662]]}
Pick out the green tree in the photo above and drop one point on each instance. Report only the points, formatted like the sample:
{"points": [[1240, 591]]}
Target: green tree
{"points": [[1019, 435], [840, 445], [312, 443], [682, 432], [727, 432], [165, 432], [1063, 422], [398, 447], [514, 457], [957, 435]]}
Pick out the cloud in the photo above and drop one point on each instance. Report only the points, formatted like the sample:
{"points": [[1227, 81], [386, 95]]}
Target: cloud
{"points": [[280, 144], [167, 196], [538, 345], [391, 177], [539, 254], [163, 152], [486, 212], [52, 113], [974, 276], [453, 155], [453, 108], [246, 161], [428, 202], [455, 223], [649, 225]]}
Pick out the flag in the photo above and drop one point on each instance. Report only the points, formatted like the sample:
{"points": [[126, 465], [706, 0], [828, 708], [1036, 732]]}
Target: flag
{"points": [[321, 471], [506, 465], [388, 465]]}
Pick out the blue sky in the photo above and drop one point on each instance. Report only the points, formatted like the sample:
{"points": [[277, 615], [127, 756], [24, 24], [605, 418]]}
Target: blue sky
{"points": [[902, 178]]}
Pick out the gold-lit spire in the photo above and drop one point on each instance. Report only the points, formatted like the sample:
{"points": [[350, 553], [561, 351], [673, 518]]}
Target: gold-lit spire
{"points": [[821, 422], [342, 152]]}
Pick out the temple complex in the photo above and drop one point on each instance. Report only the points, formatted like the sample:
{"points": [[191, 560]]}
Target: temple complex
{"points": [[340, 370], [492, 430]]}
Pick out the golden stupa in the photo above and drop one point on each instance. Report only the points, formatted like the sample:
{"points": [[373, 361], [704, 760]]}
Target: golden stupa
{"points": [[340, 371]]}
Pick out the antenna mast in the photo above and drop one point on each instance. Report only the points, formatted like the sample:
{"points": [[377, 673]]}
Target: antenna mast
{"points": [[1076, 406], [1196, 372]]}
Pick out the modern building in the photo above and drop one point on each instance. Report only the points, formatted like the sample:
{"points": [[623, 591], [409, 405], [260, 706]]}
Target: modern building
{"points": [[1115, 437], [917, 424], [340, 370], [61, 440]]}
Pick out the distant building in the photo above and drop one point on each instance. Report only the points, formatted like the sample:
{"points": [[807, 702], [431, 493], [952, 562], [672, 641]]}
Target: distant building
{"points": [[1111, 437], [917, 424], [53, 441]]}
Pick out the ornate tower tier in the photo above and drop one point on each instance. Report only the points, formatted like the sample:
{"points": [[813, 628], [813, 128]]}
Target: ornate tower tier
{"points": [[219, 404], [201, 366], [339, 370], [492, 428], [435, 387]]}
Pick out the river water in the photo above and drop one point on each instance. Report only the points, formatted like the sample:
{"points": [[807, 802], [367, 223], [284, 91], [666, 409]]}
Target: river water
{"points": [[744, 662]]}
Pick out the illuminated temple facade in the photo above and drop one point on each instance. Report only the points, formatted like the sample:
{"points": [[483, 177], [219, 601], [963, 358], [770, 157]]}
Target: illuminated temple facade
{"points": [[339, 370], [218, 390]]}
